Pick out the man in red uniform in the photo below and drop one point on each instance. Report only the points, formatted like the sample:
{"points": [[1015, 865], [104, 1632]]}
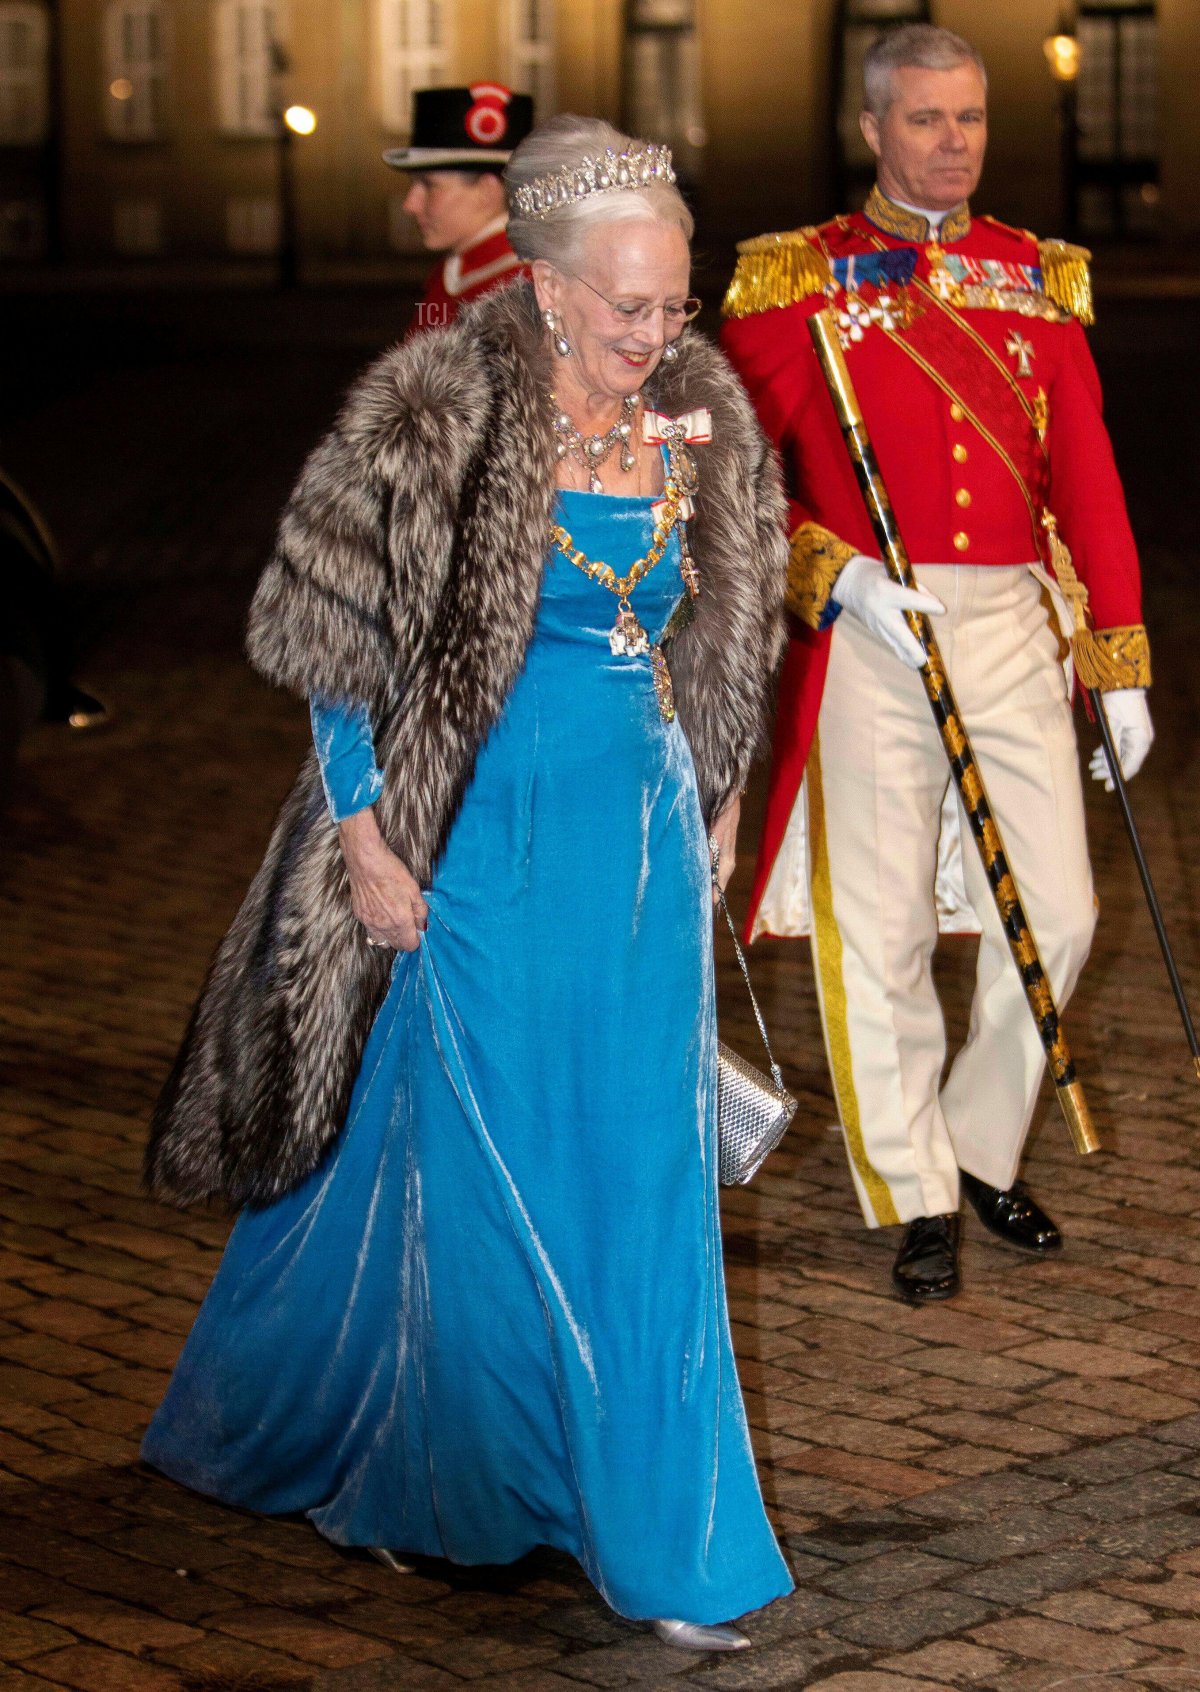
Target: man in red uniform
{"points": [[964, 341], [461, 140]]}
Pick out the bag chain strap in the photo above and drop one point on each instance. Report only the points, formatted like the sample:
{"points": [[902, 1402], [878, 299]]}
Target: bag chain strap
{"points": [[776, 1072]]}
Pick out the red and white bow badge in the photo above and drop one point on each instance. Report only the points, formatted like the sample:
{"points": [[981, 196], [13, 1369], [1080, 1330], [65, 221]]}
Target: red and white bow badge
{"points": [[690, 428]]}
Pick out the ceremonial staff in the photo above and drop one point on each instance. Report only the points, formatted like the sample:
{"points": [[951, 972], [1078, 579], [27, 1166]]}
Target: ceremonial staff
{"points": [[966, 772], [1064, 571]]}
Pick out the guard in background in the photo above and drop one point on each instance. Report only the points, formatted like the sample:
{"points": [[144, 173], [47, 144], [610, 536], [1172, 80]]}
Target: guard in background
{"points": [[461, 141], [965, 344]]}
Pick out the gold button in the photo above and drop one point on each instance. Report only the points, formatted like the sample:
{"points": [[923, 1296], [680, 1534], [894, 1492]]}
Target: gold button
{"points": [[956, 411], [961, 541], [958, 453], [962, 497]]}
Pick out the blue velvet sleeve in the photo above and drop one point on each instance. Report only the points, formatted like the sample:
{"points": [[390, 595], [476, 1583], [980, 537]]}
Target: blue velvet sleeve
{"points": [[346, 753]]}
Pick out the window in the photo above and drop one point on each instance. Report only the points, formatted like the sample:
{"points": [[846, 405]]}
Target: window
{"points": [[529, 28], [1118, 84], [24, 49], [252, 225], [137, 227], [1116, 117], [413, 53], [135, 63], [246, 36], [661, 79], [861, 22]]}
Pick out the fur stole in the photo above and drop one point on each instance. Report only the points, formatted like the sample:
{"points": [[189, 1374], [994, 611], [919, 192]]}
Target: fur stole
{"points": [[406, 575]]}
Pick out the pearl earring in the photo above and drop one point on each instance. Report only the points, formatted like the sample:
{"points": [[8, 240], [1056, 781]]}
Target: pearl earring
{"points": [[561, 344], [670, 353]]}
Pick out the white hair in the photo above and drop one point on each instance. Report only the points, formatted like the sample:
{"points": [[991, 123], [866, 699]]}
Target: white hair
{"points": [[922, 46], [562, 143]]}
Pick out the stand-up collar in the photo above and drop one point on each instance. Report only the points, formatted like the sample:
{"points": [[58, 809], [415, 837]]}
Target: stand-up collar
{"points": [[907, 225]]}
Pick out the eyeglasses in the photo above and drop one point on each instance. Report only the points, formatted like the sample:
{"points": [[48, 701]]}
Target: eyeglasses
{"points": [[675, 314]]}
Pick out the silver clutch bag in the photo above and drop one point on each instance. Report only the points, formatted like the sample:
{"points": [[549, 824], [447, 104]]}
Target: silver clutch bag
{"points": [[753, 1109]]}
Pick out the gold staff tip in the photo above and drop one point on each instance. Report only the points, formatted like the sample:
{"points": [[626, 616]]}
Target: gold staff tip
{"points": [[1079, 1117]]}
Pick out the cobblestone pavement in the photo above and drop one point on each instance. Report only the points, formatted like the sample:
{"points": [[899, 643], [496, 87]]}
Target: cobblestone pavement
{"points": [[1002, 1492]]}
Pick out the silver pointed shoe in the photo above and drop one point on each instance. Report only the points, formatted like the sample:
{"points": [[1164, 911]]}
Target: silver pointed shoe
{"points": [[390, 1560], [702, 1636]]}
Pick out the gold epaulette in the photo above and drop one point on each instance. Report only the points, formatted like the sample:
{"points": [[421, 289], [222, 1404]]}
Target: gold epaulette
{"points": [[775, 270], [1066, 278]]}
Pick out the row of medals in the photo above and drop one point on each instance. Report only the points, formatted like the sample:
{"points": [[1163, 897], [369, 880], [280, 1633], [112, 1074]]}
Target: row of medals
{"points": [[627, 638], [896, 311]]}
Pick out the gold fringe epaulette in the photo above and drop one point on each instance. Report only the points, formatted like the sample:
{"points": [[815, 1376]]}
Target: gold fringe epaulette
{"points": [[1066, 278], [775, 270]]}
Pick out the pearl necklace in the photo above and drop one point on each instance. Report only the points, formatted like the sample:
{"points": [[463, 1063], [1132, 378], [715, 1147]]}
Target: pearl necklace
{"points": [[592, 450]]}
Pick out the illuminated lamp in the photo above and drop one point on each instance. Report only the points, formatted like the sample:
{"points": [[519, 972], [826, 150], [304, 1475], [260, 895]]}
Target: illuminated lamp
{"points": [[1062, 55]]}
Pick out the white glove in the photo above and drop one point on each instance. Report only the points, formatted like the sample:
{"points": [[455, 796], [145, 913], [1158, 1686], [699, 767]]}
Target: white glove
{"points": [[1132, 731], [864, 588]]}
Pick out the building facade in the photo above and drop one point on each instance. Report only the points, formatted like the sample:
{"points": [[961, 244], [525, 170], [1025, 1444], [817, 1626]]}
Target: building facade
{"points": [[139, 131]]}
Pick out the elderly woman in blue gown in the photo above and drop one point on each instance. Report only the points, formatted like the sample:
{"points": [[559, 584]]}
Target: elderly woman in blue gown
{"points": [[455, 1061]]}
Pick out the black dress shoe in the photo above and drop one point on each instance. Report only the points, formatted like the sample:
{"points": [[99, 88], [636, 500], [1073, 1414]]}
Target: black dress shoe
{"points": [[1012, 1214], [926, 1266]]}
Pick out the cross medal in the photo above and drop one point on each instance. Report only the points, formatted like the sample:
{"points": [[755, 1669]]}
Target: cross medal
{"points": [[1022, 351]]}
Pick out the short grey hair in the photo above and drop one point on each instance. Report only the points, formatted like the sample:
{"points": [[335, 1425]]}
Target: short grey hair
{"points": [[563, 142], [919, 45]]}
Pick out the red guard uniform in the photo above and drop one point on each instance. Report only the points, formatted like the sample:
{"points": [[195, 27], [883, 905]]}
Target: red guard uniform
{"points": [[462, 277], [984, 408]]}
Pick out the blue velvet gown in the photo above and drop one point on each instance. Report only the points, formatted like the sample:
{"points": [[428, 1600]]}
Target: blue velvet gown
{"points": [[495, 1317]]}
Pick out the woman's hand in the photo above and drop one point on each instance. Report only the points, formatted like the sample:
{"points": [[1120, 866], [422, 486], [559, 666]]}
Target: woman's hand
{"points": [[724, 834], [384, 896]]}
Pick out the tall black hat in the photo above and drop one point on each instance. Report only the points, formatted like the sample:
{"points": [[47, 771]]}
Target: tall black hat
{"points": [[464, 128]]}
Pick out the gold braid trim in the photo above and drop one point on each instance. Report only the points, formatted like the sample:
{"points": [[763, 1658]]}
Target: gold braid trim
{"points": [[1118, 658], [1104, 658], [817, 557], [775, 270], [1066, 278]]}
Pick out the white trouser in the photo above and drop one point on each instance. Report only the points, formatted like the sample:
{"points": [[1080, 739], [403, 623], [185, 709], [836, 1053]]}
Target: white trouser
{"points": [[876, 780]]}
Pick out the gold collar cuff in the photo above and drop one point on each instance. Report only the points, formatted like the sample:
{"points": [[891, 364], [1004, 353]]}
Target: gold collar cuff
{"points": [[908, 225]]}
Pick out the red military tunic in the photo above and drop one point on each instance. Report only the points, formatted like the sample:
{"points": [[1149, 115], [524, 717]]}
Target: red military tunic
{"points": [[984, 410], [462, 277]]}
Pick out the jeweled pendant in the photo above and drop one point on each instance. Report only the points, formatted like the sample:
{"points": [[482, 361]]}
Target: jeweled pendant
{"points": [[628, 461], [664, 692], [627, 638], [687, 565], [595, 485]]}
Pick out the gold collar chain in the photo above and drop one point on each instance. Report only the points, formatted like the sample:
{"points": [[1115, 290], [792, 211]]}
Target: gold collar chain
{"points": [[627, 638], [603, 573]]}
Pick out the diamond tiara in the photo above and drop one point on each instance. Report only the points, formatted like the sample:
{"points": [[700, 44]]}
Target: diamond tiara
{"points": [[636, 167]]}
